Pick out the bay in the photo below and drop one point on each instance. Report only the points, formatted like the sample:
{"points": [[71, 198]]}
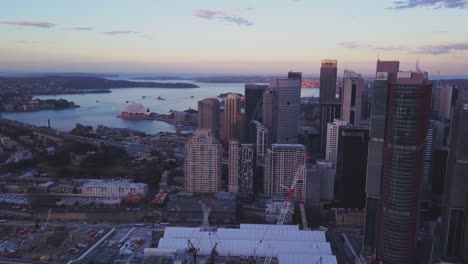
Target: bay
{"points": [[102, 109]]}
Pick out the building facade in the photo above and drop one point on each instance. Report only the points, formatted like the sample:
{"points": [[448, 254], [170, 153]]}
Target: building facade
{"points": [[231, 109], [113, 189], [246, 172], [329, 109], [281, 165], [409, 106], [203, 162], [233, 174], [209, 115], [351, 100], [455, 198], [332, 140], [254, 101]]}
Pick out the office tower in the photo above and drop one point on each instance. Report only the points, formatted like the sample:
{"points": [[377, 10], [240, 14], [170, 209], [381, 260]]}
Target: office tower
{"points": [[262, 142], [202, 165], [409, 106], [351, 101], [332, 140], [282, 102], [254, 101], [246, 174], [455, 200], [351, 167], [209, 115], [426, 178], [385, 74], [231, 109], [281, 164], [329, 107], [327, 180], [241, 128], [447, 94], [312, 201]]}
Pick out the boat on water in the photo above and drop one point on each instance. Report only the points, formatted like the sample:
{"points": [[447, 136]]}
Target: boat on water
{"points": [[160, 98]]}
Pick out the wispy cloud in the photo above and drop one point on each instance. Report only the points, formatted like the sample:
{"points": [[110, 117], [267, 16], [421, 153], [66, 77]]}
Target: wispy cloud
{"points": [[29, 24], [423, 49], [443, 48], [26, 42], [405, 4], [81, 28], [119, 32], [228, 15]]}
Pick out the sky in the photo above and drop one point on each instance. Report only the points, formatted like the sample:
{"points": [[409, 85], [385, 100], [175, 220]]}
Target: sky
{"points": [[231, 36]]}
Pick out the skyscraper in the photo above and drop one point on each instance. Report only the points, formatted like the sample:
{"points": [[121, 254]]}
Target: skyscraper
{"points": [[202, 165], [209, 115], [233, 174], [231, 109], [332, 140], [246, 173], [254, 101], [455, 199], [446, 97], [329, 107], [409, 105], [385, 74], [351, 165], [283, 100], [281, 164], [351, 100]]}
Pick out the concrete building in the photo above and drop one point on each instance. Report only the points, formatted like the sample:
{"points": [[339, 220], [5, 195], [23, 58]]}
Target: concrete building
{"points": [[209, 115], [455, 198], [202, 165], [233, 178], [329, 108], [254, 101], [446, 99], [246, 173], [231, 110], [284, 99], [281, 165], [262, 142], [351, 100], [332, 140], [113, 189], [409, 103], [349, 217], [327, 180]]}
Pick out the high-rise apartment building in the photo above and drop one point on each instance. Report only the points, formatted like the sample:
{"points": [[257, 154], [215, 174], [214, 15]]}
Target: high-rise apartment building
{"points": [[386, 74], [231, 109], [233, 174], [409, 106], [332, 140], [351, 100], [281, 164], [254, 101], [202, 165], [446, 96], [262, 142], [281, 107], [246, 173], [209, 115], [455, 198]]}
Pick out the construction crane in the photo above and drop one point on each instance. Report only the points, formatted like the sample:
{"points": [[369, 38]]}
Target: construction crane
{"points": [[287, 205], [192, 251], [44, 226]]}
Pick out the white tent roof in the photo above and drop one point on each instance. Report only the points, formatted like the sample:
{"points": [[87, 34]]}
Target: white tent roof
{"points": [[305, 258]]}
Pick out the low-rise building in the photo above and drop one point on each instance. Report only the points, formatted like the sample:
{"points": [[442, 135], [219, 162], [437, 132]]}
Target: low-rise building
{"points": [[120, 188], [349, 217], [273, 210]]}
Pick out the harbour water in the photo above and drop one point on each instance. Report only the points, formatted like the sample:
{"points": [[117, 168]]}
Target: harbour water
{"points": [[102, 109]]}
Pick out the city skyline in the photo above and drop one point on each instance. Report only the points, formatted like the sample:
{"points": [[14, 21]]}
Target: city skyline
{"points": [[177, 37]]}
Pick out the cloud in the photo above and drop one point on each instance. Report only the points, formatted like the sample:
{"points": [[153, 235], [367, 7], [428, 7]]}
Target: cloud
{"points": [[443, 48], [355, 45], [81, 28], [26, 42], [29, 24], [405, 4], [228, 15], [119, 32]]}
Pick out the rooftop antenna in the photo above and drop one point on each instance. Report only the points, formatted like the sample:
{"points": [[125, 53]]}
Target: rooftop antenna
{"points": [[417, 65]]}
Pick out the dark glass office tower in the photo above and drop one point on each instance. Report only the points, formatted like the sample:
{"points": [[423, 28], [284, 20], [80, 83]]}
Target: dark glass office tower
{"points": [[254, 101], [455, 199], [329, 107], [351, 167], [409, 102], [386, 73]]}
